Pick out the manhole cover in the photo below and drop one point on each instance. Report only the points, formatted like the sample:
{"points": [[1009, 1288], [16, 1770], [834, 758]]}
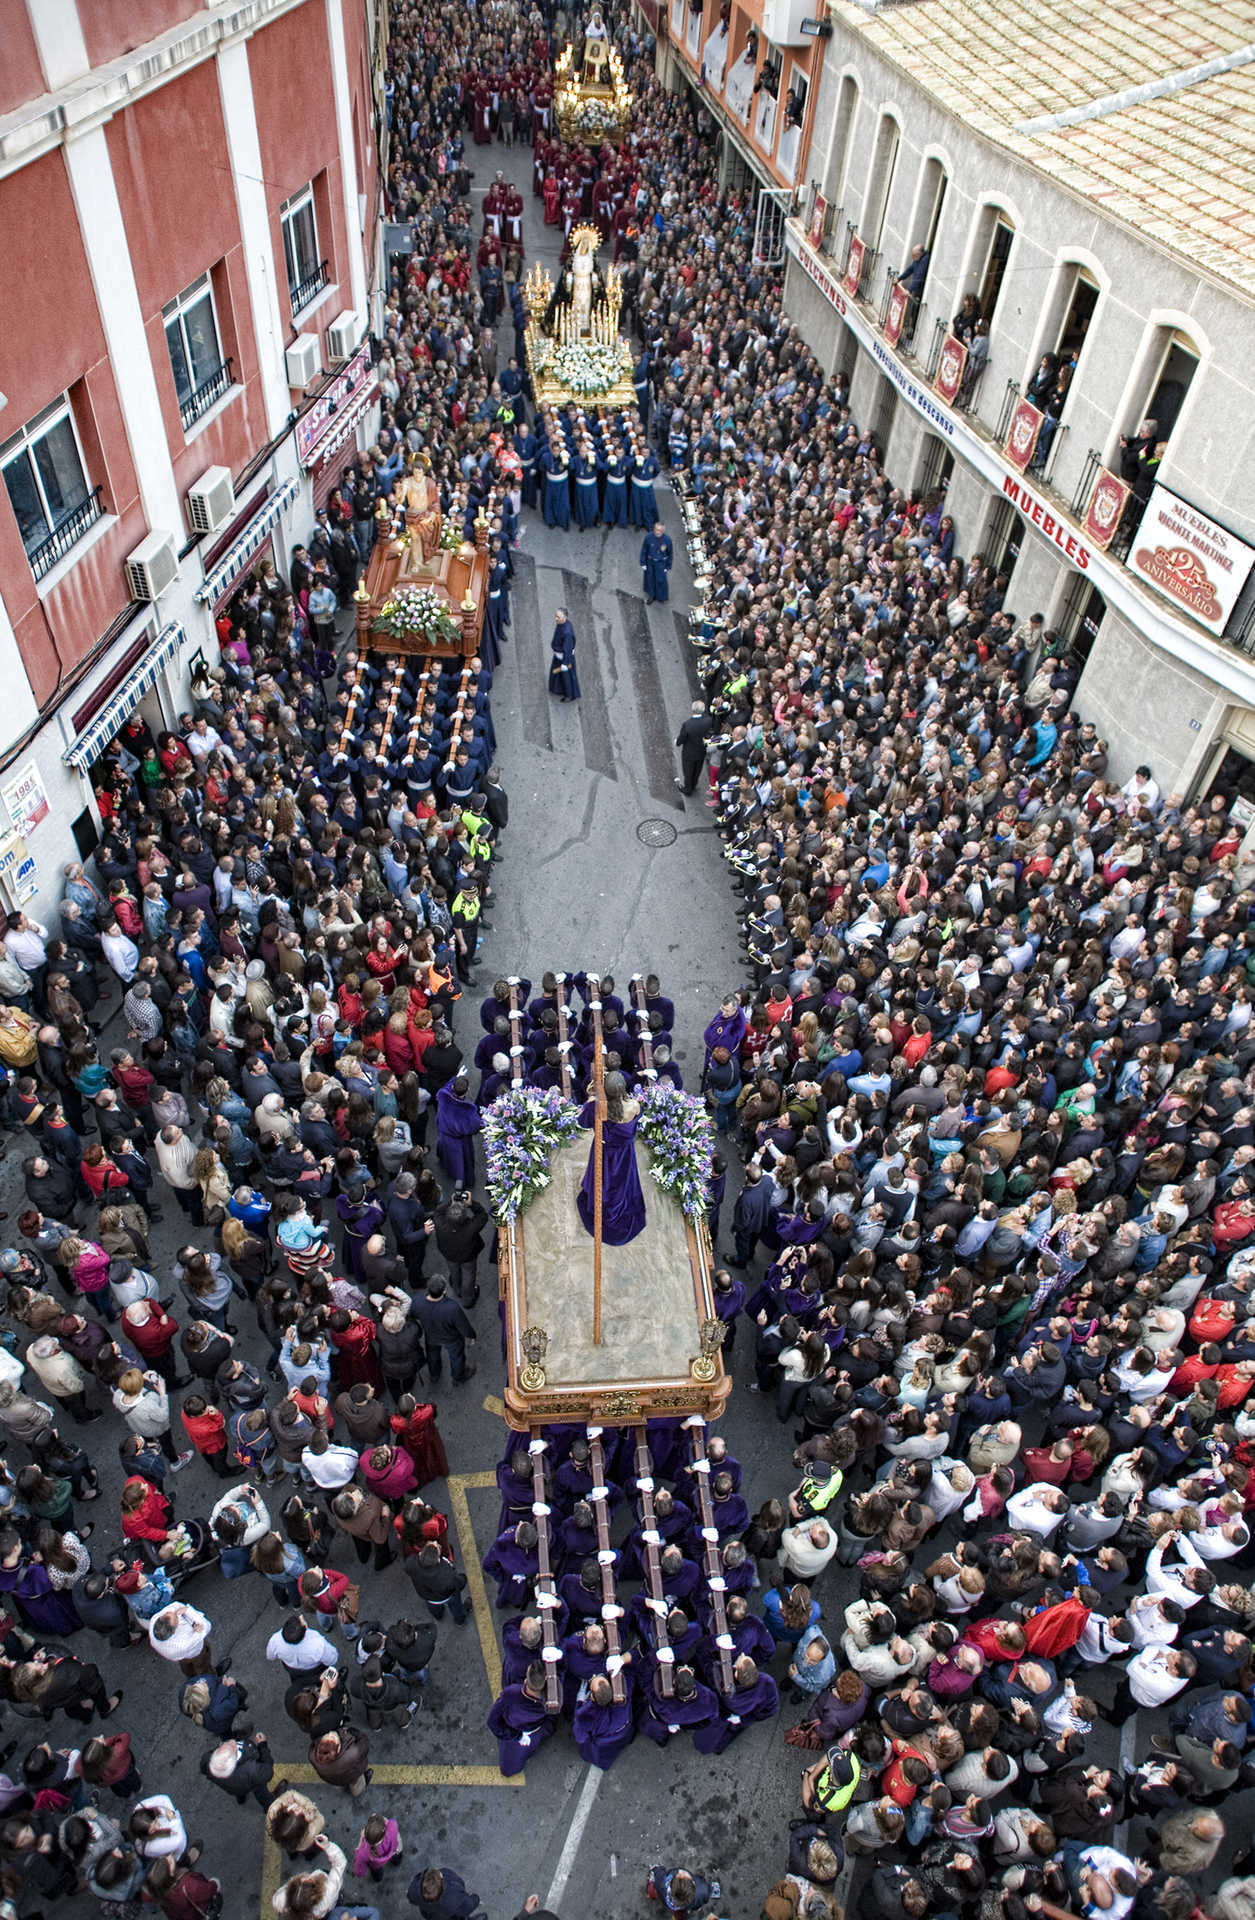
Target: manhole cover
{"points": [[656, 833]]}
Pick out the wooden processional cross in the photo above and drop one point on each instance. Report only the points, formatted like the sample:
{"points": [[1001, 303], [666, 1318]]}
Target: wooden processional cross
{"points": [[599, 1168]]}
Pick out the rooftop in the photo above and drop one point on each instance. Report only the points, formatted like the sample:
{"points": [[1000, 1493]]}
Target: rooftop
{"points": [[1146, 107]]}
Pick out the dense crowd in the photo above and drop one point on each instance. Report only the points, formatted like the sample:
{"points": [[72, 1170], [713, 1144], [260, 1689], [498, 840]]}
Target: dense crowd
{"points": [[991, 1085]]}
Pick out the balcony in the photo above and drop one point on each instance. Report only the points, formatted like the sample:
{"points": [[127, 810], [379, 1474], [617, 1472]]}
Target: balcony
{"points": [[306, 291], [1049, 440], [66, 534], [206, 395]]}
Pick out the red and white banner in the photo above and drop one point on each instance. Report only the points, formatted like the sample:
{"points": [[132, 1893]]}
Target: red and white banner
{"points": [[895, 312], [950, 368], [854, 265], [1022, 434], [818, 214], [1105, 509], [1190, 560]]}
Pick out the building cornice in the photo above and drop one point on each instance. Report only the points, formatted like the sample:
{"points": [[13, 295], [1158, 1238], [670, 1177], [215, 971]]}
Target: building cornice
{"points": [[50, 120]]}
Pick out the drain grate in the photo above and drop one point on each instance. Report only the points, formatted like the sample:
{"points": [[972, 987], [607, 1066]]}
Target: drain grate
{"points": [[656, 833]]}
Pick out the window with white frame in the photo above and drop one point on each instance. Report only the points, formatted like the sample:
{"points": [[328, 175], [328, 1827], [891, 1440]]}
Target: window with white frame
{"points": [[201, 376], [45, 476], [307, 273]]}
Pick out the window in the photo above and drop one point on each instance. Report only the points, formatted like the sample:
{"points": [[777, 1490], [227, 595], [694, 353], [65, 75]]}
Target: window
{"points": [[1178, 363], [307, 274], [47, 486], [936, 466], [201, 376], [990, 254], [1081, 616], [1004, 538], [884, 163], [839, 149]]}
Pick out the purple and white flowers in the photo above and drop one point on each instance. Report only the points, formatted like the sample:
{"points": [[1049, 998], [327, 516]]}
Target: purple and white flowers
{"points": [[523, 1129], [678, 1132]]}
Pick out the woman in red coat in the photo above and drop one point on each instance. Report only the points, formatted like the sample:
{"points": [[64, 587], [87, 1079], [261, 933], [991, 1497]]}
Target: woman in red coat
{"points": [[146, 1513], [415, 1427], [353, 1337]]}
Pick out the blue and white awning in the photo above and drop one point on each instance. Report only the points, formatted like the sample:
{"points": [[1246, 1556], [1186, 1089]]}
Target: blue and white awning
{"points": [[233, 563], [122, 702]]}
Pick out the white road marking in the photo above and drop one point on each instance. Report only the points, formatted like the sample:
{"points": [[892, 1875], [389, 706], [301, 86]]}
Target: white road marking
{"points": [[575, 1833]]}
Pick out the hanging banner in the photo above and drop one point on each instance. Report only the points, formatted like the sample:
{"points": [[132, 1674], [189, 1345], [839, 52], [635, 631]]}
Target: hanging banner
{"points": [[1023, 433], [1105, 509], [1190, 560], [25, 799], [895, 312], [818, 214], [854, 265], [950, 367], [17, 868]]}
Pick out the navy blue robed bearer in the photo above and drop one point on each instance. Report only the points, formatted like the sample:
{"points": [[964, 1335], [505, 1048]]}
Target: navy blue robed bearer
{"points": [[657, 554], [563, 679]]}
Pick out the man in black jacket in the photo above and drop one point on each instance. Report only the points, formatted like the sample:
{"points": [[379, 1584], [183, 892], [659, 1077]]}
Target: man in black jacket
{"points": [[691, 740], [445, 1325], [459, 1223]]}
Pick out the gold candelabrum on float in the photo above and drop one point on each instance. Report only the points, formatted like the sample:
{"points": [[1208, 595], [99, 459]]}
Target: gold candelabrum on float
{"points": [[537, 291]]}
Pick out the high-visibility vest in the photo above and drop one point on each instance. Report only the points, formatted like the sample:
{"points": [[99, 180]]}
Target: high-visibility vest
{"points": [[467, 906], [819, 1496], [831, 1797]]}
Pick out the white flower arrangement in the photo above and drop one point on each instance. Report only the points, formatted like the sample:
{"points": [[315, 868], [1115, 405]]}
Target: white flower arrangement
{"points": [[417, 610]]}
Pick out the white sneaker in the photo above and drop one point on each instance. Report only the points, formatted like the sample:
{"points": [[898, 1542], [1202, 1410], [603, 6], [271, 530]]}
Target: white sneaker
{"points": [[184, 1460]]}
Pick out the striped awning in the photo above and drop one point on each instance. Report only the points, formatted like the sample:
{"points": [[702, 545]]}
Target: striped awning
{"points": [[346, 423], [122, 702], [233, 563]]}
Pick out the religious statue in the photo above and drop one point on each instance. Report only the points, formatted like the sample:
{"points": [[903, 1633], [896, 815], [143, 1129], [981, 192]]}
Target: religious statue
{"points": [[622, 1199], [582, 265], [596, 51]]}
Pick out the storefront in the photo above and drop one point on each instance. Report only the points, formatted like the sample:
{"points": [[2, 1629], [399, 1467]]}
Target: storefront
{"points": [[327, 435], [247, 547]]}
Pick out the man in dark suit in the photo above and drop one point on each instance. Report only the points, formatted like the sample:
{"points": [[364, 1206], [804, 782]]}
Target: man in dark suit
{"points": [[691, 740]]}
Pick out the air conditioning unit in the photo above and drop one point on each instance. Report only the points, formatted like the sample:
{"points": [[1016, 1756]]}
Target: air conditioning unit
{"points": [[343, 336], [211, 502], [153, 567], [782, 22], [304, 360]]}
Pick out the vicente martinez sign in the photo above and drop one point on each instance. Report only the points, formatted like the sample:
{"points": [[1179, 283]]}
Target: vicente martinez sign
{"points": [[1190, 560]]}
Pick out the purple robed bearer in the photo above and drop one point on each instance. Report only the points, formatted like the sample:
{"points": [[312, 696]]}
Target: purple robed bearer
{"points": [[754, 1696], [622, 1201], [602, 1726], [457, 1122], [518, 1718]]}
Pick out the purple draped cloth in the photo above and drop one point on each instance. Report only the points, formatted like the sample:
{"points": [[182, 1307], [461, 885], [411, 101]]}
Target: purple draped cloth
{"points": [[457, 1123], [601, 1733], [622, 1201]]}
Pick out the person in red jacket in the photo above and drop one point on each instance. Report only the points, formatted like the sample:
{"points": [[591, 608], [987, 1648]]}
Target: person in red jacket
{"points": [[146, 1513], [414, 1424], [325, 1591], [207, 1431], [181, 1892], [151, 1331]]}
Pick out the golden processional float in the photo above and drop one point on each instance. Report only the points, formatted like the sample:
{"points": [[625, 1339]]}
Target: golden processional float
{"points": [[591, 102], [599, 1336], [576, 355]]}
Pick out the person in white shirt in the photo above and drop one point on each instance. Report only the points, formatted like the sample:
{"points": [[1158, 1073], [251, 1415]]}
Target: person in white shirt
{"points": [[300, 1648], [1104, 1637], [1155, 1620], [1169, 1580], [1141, 790], [156, 1828], [25, 940], [204, 740], [331, 1467], [1152, 1678], [179, 1632], [120, 951], [1038, 1508]]}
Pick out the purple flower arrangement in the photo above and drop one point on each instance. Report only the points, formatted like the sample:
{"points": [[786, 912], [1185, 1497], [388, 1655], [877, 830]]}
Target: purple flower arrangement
{"points": [[523, 1129], [677, 1130]]}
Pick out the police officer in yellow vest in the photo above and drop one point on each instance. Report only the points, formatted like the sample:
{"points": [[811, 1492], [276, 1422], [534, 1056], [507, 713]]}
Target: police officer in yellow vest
{"points": [[829, 1786], [817, 1492], [465, 913]]}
